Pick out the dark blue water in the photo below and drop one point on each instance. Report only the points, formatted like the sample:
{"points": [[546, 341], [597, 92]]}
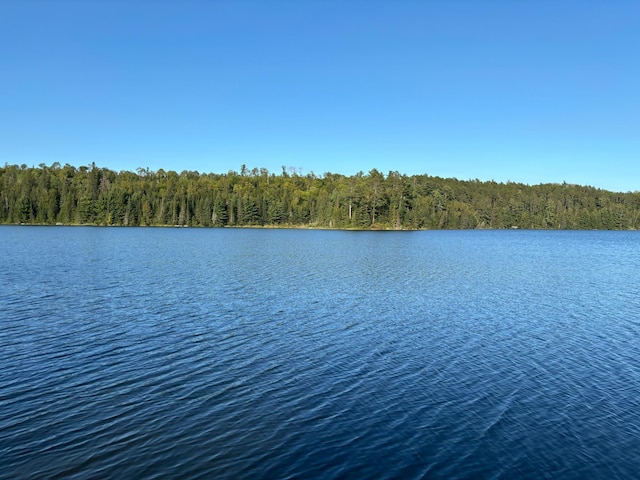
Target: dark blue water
{"points": [[184, 353]]}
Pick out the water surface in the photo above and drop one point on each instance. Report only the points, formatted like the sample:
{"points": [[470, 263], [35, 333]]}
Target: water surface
{"points": [[232, 353]]}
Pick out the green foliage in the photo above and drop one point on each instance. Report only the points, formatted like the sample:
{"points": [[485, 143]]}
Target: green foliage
{"points": [[92, 195]]}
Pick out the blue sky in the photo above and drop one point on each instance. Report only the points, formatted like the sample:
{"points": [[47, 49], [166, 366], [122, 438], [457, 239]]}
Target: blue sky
{"points": [[522, 90]]}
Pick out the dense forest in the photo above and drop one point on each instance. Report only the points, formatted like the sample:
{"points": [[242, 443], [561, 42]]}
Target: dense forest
{"points": [[97, 196]]}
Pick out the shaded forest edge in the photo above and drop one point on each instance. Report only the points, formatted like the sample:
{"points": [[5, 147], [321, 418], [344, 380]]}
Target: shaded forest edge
{"points": [[89, 195]]}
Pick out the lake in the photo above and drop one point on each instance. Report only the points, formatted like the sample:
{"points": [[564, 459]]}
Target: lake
{"points": [[254, 353]]}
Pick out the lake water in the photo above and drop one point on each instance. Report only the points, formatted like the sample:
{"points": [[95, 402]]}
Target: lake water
{"points": [[233, 353]]}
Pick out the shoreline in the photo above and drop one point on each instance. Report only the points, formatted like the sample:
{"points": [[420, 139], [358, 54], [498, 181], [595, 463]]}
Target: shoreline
{"points": [[311, 227]]}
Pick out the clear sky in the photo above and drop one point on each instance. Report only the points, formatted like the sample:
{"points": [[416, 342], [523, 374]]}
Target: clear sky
{"points": [[531, 91]]}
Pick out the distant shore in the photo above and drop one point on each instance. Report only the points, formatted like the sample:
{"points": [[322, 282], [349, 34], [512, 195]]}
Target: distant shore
{"points": [[297, 227], [65, 195]]}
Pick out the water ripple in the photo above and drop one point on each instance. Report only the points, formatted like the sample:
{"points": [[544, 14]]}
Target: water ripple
{"points": [[300, 354]]}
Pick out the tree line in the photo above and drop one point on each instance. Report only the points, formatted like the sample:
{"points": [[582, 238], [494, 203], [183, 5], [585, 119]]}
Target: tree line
{"points": [[89, 195]]}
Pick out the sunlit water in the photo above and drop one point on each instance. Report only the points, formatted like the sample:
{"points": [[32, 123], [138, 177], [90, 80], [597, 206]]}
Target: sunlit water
{"points": [[220, 353]]}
